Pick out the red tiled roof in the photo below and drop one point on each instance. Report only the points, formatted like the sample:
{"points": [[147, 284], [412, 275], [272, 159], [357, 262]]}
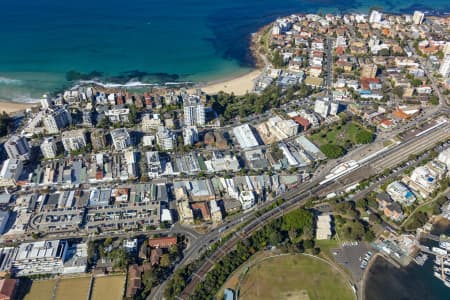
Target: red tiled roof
{"points": [[203, 207], [7, 288], [164, 242], [302, 121]]}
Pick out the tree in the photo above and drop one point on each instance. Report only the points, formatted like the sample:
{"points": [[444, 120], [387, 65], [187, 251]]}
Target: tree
{"points": [[364, 137], [374, 218], [308, 244], [275, 238], [276, 152], [416, 82], [384, 52], [132, 116], [107, 242], [332, 150], [369, 236], [165, 260], [104, 123], [297, 220], [5, 123], [277, 59], [434, 100], [353, 230], [398, 91]]}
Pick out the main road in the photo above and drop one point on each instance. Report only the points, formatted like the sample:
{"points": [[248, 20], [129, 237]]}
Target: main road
{"points": [[293, 199]]}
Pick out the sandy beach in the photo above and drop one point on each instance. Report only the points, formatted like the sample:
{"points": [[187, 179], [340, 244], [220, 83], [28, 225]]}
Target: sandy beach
{"points": [[11, 107], [238, 85]]}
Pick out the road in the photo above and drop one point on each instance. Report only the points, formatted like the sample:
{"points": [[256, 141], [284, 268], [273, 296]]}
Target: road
{"points": [[443, 102], [293, 199], [330, 61]]}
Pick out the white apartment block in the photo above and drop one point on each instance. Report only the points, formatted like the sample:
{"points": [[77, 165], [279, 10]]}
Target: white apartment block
{"points": [[154, 168], [150, 123], [418, 17], [56, 120], [400, 193], [165, 138], [282, 128], [73, 140], [322, 107], [190, 135], [194, 111], [325, 107], [10, 172], [48, 148], [121, 139], [216, 212], [245, 136], [375, 17], [247, 199], [444, 69], [44, 257], [118, 115], [17, 148]]}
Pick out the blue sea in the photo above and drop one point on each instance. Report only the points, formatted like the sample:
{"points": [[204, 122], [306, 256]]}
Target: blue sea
{"points": [[144, 40]]}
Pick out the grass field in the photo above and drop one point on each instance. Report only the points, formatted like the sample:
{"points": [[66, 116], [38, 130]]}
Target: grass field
{"points": [[41, 290], [343, 136], [288, 277], [73, 288], [234, 278], [108, 287]]}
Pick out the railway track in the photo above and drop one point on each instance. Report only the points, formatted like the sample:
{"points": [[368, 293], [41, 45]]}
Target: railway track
{"points": [[297, 198]]}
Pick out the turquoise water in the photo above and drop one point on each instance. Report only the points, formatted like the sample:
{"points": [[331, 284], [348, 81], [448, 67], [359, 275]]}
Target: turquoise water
{"points": [[171, 40]]}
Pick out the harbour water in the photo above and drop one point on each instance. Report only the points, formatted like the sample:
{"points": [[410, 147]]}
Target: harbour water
{"points": [[385, 281], [144, 40]]}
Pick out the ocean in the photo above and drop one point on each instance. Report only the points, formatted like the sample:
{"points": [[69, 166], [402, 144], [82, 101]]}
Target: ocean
{"points": [[144, 40]]}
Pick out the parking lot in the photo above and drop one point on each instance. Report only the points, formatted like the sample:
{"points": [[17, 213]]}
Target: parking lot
{"points": [[351, 255]]}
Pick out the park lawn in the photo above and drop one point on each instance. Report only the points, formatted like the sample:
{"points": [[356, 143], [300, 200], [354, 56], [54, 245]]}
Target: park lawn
{"points": [[233, 280], [352, 130], [42, 289], [326, 246], [338, 136], [73, 288], [280, 277], [108, 287]]}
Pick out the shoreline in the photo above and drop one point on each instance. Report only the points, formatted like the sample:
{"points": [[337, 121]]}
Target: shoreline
{"points": [[239, 85], [10, 106]]}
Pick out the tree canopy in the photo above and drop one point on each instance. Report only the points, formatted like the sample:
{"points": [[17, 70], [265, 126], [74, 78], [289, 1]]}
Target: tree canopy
{"points": [[332, 150]]}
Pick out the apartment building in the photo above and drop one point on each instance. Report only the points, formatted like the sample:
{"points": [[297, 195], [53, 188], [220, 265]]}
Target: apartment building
{"points": [[73, 140], [55, 120], [48, 148], [194, 111], [43, 257], [17, 148], [121, 139]]}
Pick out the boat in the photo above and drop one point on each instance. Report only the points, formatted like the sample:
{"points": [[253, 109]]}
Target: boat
{"points": [[438, 275], [447, 283], [445, 245]]}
